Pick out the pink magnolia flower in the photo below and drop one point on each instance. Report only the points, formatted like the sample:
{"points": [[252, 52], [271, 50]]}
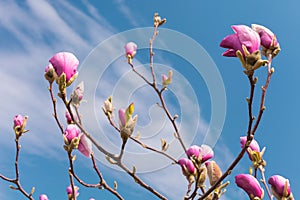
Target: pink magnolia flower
{"points": [[85, 146], [254, 146], [250, 185], [187, 164], [204, 152], [193, 151], [267, 37], [77, 94], [71, 132], [43, 197], [70, 190], [277, 183], [130, 49], [18, 120], [243, 35], [67, 63]]}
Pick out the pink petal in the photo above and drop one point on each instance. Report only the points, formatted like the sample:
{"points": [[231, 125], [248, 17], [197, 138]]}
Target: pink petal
{"points": [[43, 197], [18, 120], [122, 117], [249, 184], [230, 53], [278, 183], [71, 132], [184, 162], [65, 62], [206, 152], [85, 146], [254, 146], [193, 151], [247, 37]]}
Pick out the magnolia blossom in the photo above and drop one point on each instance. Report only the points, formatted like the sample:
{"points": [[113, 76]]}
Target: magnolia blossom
{"points": [[43, 197], [267, 37], [70, 190], [126, 122], [250, 185], [243, 35], [85, 146], [130, 49], [77, 94], [254, 146], [204, 152], [278, 184], [71, 132], [67, 63], [187, 164], [18, 120]]}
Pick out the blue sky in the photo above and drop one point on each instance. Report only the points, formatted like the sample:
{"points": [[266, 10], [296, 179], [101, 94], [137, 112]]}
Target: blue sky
{"points": [[32, 31]]}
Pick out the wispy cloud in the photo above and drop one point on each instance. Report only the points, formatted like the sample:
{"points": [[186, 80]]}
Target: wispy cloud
{"points": [[37, 30], [125, 10]]}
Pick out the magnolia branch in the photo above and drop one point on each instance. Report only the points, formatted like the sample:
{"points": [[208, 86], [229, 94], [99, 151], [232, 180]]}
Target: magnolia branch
{"points": [[250, 132], [16, 180]]}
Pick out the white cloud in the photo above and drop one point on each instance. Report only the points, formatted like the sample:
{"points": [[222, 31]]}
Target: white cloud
{"points": [[125, 10], [42, 29]]}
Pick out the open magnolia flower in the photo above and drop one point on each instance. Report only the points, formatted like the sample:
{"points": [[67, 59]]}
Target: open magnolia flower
{"points": [[244, 44], [243, 35]]}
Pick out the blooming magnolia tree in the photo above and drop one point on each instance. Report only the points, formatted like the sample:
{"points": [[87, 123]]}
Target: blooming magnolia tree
{"points": [[196, 164]]}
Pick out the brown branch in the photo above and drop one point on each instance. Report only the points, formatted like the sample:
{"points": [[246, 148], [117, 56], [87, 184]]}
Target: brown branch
{"points": [[100, 185], [54, 108], [251, 132], [102, 181], [141, 143], [155, 33], [16, 180]]}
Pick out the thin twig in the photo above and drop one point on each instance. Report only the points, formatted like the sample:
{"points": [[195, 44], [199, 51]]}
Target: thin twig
{"points": [[155, 32], [100, 185], [118, 162], [102, 181], [54, 109], [164, 106], [263, 95], [71, 176], [112, 123], [16, 180], [262, 171]]}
